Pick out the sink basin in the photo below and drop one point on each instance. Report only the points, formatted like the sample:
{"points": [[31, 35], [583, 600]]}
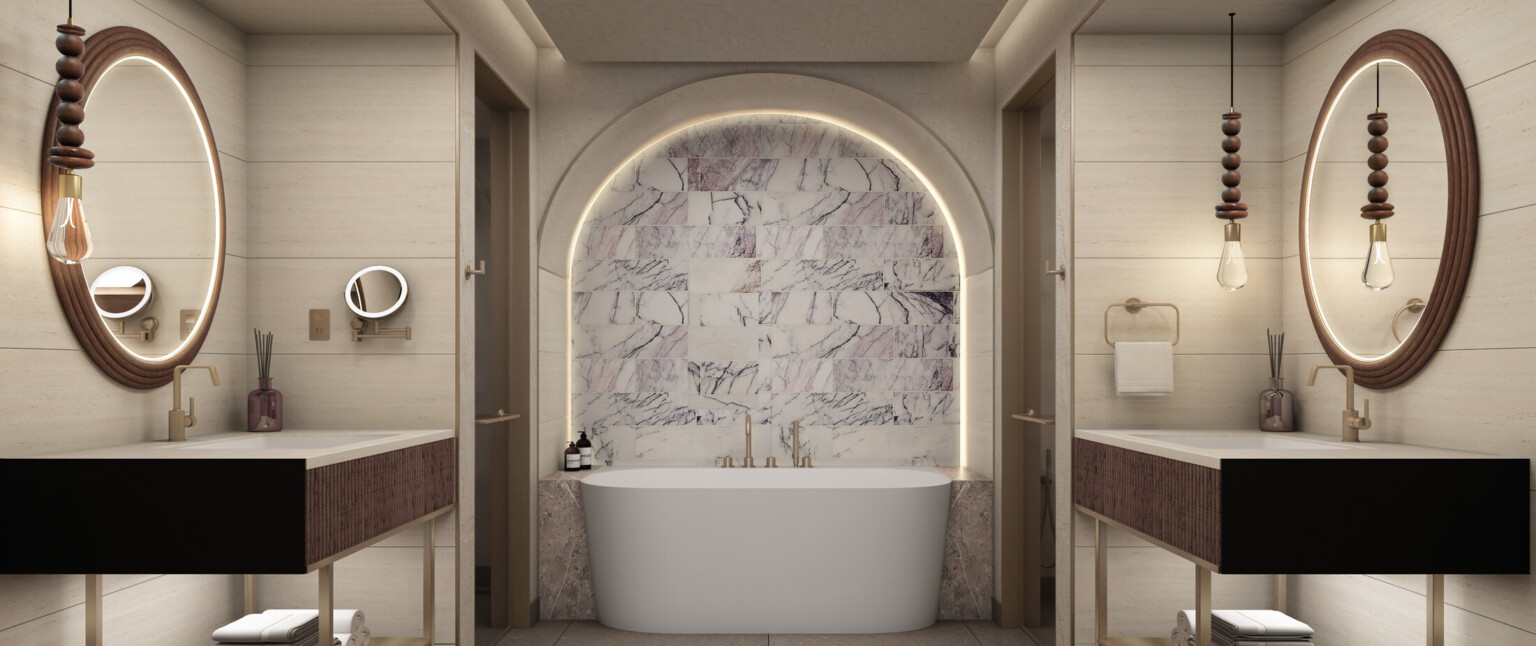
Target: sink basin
{"points": [[282, 442], [1243, 442]]}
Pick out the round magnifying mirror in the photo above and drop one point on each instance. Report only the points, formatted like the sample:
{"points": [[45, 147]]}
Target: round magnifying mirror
{"points": [[376, 292], [122, 291]]}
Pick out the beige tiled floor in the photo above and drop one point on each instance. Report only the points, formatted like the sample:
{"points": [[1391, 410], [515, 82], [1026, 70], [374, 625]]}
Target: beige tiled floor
{"points": [[591, 633]]}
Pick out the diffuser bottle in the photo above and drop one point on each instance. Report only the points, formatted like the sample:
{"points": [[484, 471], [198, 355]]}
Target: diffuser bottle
{"points": [[585, 446], [572, 458], [264, 406], [1277, 408]]}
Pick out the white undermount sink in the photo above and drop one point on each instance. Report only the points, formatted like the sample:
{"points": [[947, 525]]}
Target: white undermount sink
{"points": [[270, 442], [1242, 442]]}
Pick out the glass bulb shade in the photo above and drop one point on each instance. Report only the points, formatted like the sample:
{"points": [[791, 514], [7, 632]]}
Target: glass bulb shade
{"points": [[1378, 274], [69, 239], [1232, 274]]}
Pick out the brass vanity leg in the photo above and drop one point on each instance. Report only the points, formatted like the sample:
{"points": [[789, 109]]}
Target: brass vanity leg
{"points": [[1435, 593], [250, 594], [1280, 582], [327, 602], [428, 582], [1100, 581], [1202, 606], [93, 610]]}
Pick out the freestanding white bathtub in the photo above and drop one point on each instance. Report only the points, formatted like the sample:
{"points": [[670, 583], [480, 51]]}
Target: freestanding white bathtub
{"points": [[823, 550]]}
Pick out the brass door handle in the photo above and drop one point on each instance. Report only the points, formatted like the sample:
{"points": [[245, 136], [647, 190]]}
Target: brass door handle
{"points": [[500, 416], [471, 271], [1059, 272], [1033, 419]]}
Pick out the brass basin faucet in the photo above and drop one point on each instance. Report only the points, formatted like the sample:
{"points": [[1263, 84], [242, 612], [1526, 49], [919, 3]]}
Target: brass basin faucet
{"points": [[746, 462], [181, 420], [1354, 422]]}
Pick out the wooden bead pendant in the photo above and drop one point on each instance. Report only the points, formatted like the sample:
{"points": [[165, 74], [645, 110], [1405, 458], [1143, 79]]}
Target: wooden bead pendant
{"points": [[1232, 206], [1377, 207], [67, 151]]}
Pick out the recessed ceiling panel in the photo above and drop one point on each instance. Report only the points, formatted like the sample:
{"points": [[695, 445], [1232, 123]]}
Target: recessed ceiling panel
{"points": [[329, 16], [767, 30], [1199, 16]]}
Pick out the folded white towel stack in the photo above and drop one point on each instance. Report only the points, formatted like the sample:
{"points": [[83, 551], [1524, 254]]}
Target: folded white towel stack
{"points": [[1143, 368], [298, 627], [1244, 628]]}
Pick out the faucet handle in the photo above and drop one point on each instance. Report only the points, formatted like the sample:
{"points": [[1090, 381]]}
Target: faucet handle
{"points": [[1363, 422], [771, 463], [727, 462], [191, 413]]}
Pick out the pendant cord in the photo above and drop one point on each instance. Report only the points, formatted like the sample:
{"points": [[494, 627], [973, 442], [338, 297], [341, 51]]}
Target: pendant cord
{"points": [[1378, 87], [1232, 60]]}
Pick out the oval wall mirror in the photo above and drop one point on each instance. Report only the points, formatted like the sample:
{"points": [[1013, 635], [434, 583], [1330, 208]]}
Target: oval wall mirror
{"points": [[376, 292], [1394, 138], [155, 205]]}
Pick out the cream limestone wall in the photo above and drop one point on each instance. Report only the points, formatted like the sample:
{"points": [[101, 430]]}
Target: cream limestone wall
{"points": [[1475, 394], [333, 191], [1146, 136], [54, 397]]}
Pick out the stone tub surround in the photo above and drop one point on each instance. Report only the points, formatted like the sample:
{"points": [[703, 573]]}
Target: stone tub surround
{"points": [[565, 576], [772, 266]]}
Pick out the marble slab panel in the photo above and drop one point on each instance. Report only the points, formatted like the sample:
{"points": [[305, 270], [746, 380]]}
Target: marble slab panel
{"points": [[624, 208], [630, 308]]}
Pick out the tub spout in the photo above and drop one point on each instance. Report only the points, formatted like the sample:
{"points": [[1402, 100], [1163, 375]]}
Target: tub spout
{"points": [[746, 462]]}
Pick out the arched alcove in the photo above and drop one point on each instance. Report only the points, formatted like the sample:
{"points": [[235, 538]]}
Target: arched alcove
{"points": [[895, 133]]}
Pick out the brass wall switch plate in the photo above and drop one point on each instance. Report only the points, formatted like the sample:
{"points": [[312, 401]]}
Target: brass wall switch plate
{"points": [[188, 321], [319, 325]]}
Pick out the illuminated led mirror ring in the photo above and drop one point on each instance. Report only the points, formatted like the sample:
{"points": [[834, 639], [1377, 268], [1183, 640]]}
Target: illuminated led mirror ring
{"points": [[1421, 56]]}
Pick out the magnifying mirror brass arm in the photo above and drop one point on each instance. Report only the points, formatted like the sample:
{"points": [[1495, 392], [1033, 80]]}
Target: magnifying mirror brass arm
{"points": [[370, 329]]}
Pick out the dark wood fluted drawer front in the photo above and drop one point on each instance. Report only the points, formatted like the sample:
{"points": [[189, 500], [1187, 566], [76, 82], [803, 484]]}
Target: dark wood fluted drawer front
{"points": [[350, 503], [1175, 502]]}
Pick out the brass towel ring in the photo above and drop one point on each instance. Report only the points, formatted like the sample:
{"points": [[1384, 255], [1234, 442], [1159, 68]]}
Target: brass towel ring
{"points": [[1414, 305], [1134, 305]]}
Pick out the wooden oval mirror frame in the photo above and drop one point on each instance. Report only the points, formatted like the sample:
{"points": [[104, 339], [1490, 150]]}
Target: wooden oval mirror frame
{"points": [[102, 50], [1425, 59]]}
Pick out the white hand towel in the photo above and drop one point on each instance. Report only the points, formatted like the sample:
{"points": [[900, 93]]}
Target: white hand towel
{"points": [[345, 639], [1258, 623], [277, 628], [1185, 620], [349, 621], [1143, 368]]}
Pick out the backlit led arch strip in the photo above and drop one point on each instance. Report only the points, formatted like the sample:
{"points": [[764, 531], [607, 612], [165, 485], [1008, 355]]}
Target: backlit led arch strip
{"points": [[949, 222], [218, 204]]}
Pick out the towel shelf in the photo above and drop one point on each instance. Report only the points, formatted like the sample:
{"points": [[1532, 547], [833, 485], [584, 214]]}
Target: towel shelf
{"points": [[500, 416], [1134, 306]]}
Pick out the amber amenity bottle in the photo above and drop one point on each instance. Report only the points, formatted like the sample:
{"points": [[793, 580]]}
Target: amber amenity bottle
{"points": [[585, 446], [572, 457]]}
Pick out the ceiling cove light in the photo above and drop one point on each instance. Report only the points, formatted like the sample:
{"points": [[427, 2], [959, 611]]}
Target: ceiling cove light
{"points": [[1232, 273]]}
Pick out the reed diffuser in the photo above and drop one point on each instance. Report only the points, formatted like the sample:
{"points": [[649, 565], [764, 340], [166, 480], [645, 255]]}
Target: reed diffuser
{"points": [[1277, 406], [264, 406]]}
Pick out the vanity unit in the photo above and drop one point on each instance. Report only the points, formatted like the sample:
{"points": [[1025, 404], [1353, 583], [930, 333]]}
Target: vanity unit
{"points": [[1247, 502], [287, 503]]}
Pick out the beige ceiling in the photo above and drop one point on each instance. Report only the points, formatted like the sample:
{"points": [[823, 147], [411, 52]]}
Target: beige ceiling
{"points": [[766, 30], [329, 16], [1199, 16]]}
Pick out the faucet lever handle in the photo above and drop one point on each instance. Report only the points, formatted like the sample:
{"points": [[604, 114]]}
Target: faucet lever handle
{"points": [[191, 412], [1365, 417]]}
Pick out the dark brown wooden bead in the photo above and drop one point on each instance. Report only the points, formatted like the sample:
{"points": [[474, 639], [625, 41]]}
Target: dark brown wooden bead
{"points": [[70, 90], [68, 135], [70, 112], [1376, 127], [71, 151], [1231, 127], [77, 163], [69, 44], [70, 67], [1232, 144], [1377, 195], [1231, 161], [1377, 161], [1377, 144], [1232, 195], [1232, 178], [71, 29], [1377, 178]]}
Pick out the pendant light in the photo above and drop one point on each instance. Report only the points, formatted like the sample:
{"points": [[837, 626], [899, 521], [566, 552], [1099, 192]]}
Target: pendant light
{"points": [[1378, 273], [1232, 273], [69, 238]]}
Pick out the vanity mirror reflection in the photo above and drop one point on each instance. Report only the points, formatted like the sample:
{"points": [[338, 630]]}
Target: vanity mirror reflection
{"points": [[1389, 208], [374, 294], [155, 208]]}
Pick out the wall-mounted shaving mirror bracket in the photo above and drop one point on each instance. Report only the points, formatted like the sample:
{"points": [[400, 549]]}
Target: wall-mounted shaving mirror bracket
{"points": [[1355, 289], [374, 294]]}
